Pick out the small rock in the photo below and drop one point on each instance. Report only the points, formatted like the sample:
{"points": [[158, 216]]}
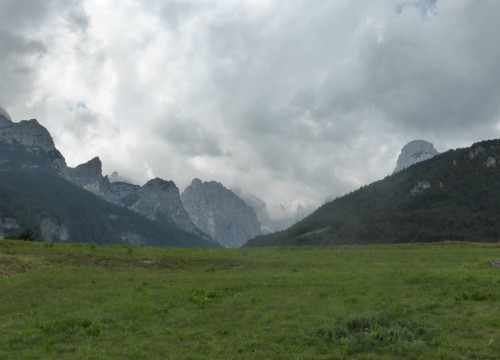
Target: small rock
{"points": [[491, 162], [496, 263], [420, 188]]}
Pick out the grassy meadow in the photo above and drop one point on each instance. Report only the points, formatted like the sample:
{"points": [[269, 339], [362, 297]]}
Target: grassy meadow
{"points": [[80, 301]]}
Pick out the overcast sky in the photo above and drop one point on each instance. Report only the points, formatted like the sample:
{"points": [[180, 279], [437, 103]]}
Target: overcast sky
{"points": [[292, 101]]}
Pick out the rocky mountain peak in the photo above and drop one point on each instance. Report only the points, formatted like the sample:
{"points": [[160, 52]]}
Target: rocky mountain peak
{"points": [[31, 137], [116, 177], [158, 184], [158, 199], [196, 182], [28, 133], [208, 186], [220, 213], [88, 174], [4, 115], [414, 152]]}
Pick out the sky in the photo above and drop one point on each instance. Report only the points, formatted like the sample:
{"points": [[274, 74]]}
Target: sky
{"points": [[292, 101]]}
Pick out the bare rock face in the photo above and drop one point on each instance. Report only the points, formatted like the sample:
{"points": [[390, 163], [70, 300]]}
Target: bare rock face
{"points": [[161, 199], [87, 175], [414, 152], [34, 138], [51, 230], [121, 193], [28, 133], [220, 213], [115, 177]]}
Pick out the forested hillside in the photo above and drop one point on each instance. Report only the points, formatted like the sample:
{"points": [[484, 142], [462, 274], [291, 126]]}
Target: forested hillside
{"points": [[453, 196]]}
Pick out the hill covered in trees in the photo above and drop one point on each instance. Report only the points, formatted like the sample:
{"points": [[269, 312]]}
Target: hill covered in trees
{"points": [[453, 196]]}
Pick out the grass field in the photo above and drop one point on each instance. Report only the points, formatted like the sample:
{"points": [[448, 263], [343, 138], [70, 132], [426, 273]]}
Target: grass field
{"points": [[75, 301]]}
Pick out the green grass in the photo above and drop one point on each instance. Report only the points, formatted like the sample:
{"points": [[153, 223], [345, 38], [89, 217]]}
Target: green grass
{"points": [[75, 301]]}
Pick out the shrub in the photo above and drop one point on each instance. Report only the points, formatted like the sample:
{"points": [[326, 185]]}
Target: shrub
{"points": [[26, 235]]}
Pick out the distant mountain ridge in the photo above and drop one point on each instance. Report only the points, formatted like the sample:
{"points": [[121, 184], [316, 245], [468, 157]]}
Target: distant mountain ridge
{"points": [[275, 217], [28, 157], [450, 196], [157, 199]]}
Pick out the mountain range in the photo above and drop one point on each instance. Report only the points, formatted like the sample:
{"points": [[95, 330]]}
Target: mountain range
{"points": [[430, 196], [40, 193]]}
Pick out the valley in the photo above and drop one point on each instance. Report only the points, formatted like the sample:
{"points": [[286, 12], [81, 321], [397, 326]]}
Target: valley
{"points": [[418, 301]]}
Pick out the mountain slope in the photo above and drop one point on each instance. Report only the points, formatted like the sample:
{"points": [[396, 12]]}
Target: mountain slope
{"points": [[452, 196], [39, 192], [57, 210], [158, 199]]}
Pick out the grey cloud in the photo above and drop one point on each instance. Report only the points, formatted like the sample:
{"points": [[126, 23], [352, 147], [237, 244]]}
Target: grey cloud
{"points": [[420, 78], [15, 14], [175, 12], [313, 96], [85, 122], [33, 14], [21, 45], [189, 137], [427, 8], [440, 82], [19, 55]]}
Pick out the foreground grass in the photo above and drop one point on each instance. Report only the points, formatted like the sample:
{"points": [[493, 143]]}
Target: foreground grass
{"points": [[73, 301]]}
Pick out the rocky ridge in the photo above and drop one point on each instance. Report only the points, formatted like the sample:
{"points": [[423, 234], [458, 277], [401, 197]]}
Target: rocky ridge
{"points": [[27, 144], [157, 199], [220, 213], [34, 138]]}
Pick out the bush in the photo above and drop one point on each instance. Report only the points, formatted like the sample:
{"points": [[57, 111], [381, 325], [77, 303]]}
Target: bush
{"points": [[26, 235]]}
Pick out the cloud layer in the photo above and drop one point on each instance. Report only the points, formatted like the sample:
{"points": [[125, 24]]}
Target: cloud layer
{"points": [[291, 101]]}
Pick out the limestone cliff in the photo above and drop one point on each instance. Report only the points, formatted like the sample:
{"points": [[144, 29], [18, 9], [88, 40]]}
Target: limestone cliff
{"points": [[414, 152], [35, 139], [220, 213], [87, 175]]}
